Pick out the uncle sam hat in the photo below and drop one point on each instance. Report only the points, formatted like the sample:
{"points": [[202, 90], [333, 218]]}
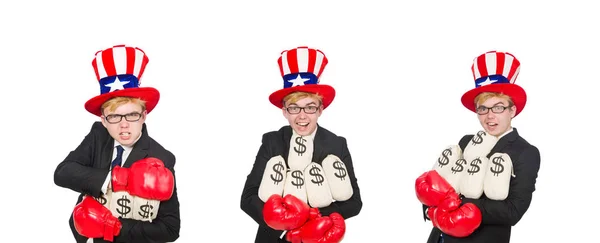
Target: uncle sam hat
{"points": [[119, 71], [301, 69], [496, 72]]}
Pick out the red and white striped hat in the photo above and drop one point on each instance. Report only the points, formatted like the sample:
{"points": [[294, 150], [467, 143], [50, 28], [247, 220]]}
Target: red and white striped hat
{"points": [[496, 72], [119, 71], [301, 69]]}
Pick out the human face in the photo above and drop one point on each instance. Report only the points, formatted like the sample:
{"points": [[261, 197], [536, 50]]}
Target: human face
{"points": [[496, 123], [304, 124], [128, 130]]}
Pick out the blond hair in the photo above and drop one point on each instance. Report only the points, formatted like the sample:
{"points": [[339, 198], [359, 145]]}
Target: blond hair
{"points": [[114, 103], [480, 98], [296, 96]]}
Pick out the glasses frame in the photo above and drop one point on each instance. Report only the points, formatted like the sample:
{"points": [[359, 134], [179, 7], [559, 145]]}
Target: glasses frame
{"points": [[124, 116], [302, 109], [488, 109]]}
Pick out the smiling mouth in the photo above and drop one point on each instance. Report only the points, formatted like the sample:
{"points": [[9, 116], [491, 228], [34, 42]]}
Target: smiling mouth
{"points": [[302, 124], [492, 124]]}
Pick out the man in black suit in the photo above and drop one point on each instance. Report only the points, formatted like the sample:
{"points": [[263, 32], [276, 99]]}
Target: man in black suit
{"points": [[118, 143], [322, 179], [496, 100]]}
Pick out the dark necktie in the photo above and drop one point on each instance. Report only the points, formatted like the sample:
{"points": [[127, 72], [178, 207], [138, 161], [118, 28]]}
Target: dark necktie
{"points": [[119, 157]]}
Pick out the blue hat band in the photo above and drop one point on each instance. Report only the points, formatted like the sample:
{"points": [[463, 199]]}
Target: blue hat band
{"points": [[492, 79], [296, 79], [119, 82]]}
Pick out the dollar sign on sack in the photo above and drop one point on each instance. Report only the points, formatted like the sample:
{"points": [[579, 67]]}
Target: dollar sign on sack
{"points": [[443, 160], [298, 179], [124, 209], [498, 167], [342, 171], [477, 139], [314, 171], [146, 210], [458, 166], [301, 147], [101, 200], [474, 166], [277, 168]]}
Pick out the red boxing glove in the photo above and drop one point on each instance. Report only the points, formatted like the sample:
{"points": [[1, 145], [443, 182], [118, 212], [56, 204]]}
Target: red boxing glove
{"points": [[119, 178], [150, 179], [328, 229], [285, 213], [460, 222], [294, 235], [93, 220], [434, 191]]}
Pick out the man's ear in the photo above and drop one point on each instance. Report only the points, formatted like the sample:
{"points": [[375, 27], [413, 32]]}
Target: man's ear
{"points": [[513, 111]]}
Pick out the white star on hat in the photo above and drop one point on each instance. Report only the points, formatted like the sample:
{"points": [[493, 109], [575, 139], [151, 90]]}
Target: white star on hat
{"points": [[116, 85], [487, 81], [298, 81]]}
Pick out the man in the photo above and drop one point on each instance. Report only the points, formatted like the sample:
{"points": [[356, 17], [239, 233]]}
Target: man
{"points": [[302, 185], [126, 179], [489, 187]]}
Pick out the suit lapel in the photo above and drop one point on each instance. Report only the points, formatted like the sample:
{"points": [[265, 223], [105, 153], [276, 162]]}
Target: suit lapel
{"points": [[319, 142], [504, 141], [140, 149], [107, 152]]}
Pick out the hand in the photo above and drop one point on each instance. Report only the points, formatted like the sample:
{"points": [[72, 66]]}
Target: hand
{"points": [[93, 220], [285, 213], [460, 222], [150, 179], [434, 191], [328, 229]]}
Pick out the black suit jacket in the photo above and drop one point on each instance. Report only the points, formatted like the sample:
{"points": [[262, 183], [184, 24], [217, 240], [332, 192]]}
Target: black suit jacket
{"points": [[85, 169], [499, 216], [277, 143]]}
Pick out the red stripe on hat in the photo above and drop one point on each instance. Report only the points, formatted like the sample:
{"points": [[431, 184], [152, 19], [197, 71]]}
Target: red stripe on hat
{"points": [[292, 59], [130, 53], [312, 59], [142, 68], [280, 65], [481, 66], [95, 65], [109, 62], [514, 66], [500, 63], [323, 64]]}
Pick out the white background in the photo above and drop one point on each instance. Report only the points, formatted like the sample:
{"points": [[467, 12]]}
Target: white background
{"points": [[399, 71]]}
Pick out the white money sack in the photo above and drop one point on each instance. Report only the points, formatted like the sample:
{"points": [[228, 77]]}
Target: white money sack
{"points": [[301, 151], [317, 187], [446, 160], [104, 199], [471, 183], [273, 179], [458, 169], [337, 177], [480, 145], [121, 204], [497, 178], [145, 209], [295, 185]]}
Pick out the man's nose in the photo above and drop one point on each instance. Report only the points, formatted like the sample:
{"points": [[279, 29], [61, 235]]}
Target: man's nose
{"points": [[124, 123]]}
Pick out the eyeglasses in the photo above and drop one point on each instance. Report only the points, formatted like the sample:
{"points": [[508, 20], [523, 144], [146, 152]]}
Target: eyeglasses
{"points": [[308, 110], [116, 118], [482, 110]]}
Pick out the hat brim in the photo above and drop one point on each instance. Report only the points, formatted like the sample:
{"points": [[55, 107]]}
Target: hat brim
{"points": [[515, 92], [148, 94], [325, 91]]}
